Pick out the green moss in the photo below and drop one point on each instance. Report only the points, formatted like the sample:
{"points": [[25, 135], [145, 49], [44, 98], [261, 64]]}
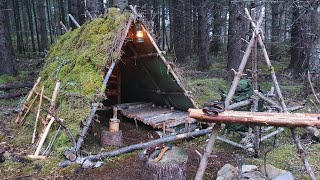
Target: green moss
{"points": [[79, 61], [207, 89], [7, 79]]}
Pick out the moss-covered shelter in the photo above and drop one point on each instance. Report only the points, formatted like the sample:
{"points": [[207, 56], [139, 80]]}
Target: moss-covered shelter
{"points": [[112, 60]]}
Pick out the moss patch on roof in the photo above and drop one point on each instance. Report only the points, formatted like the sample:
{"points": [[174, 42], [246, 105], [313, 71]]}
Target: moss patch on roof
{"points": [[79, 60]]}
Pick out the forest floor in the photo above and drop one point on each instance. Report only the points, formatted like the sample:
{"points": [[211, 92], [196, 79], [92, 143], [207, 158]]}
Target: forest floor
{"points": [[205, 86]]}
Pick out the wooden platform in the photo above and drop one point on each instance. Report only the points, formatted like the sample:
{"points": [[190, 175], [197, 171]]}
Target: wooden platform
{"points": [[154, 116], [261, 118]]}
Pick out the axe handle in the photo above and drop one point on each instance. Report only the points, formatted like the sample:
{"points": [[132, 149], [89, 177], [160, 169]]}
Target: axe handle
{"points": [[164, 150]]}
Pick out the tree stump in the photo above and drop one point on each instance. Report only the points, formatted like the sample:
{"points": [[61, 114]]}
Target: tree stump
{"points": [[173, 165], [109, 138]]}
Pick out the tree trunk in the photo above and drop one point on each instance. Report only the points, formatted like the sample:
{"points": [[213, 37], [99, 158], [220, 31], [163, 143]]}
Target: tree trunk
{"points": [[76, 9], [299, 40], [29, 12], [41, 8], [188, 27], [36, 24], [6, 52], [121, 4], [94, 7], [236, 31], [314, 64], [195, 26], [178, 30], [62, 12], [204, 62], [17, 21], [275, 31], [163, 24]]}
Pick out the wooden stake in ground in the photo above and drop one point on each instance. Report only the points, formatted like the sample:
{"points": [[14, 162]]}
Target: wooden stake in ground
{"points": [[243, 63], [302, 154], [25, 104], [52, 107], [38, 114], [266, 57], [43, 138], [204, 158]]}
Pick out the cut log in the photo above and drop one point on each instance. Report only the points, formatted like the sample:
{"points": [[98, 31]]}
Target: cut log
{"points": [[109, 138], [260, 118], [134, 147], [13, 95], [15, 86], [173, 165]]}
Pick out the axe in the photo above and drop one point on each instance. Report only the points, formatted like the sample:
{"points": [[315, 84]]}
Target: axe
{"points": [[163, 151]]}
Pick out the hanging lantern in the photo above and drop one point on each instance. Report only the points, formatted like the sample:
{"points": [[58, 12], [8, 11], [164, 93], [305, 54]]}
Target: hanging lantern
{"points": [[139, 34]]}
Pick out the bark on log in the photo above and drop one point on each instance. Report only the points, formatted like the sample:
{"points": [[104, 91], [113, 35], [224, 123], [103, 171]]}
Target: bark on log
{"points": [[141, 146], [173, 165], [16, 86], [13, 95], [261, 118]]}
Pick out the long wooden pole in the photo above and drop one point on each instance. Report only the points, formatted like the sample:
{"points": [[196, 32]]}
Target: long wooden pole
{"points": [[303, 155], [204, 158], [24, 106], [243, 63], [259, 118], [38, 115], [266, 57], [134, 147]]}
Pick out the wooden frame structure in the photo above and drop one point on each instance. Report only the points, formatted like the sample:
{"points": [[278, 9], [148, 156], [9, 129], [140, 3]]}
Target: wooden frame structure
{"points": [[256, 118]]}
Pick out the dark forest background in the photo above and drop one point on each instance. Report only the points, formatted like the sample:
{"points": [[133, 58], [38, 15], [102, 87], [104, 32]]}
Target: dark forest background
{"points": [[190, 30]]}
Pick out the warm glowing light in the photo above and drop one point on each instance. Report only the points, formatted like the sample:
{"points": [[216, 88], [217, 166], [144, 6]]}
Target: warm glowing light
{"points": [[139, 34]]}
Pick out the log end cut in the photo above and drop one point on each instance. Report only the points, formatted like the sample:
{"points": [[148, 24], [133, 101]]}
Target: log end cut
{"points": [[173, 165], [111, 138]]}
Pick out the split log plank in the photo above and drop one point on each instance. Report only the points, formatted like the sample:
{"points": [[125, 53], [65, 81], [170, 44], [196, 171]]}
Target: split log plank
{"points": [[261, 118]]}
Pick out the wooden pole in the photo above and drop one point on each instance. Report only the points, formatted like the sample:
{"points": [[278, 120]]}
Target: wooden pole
{"points": [[38, 114], [259, 118], [134, 147], [64, 27], [44, 136], [243, 63], [74, 20], [302, 154], [89, 14], [24, 106], [266, 57], [207, 153], [86, 127], [28, 110]]}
